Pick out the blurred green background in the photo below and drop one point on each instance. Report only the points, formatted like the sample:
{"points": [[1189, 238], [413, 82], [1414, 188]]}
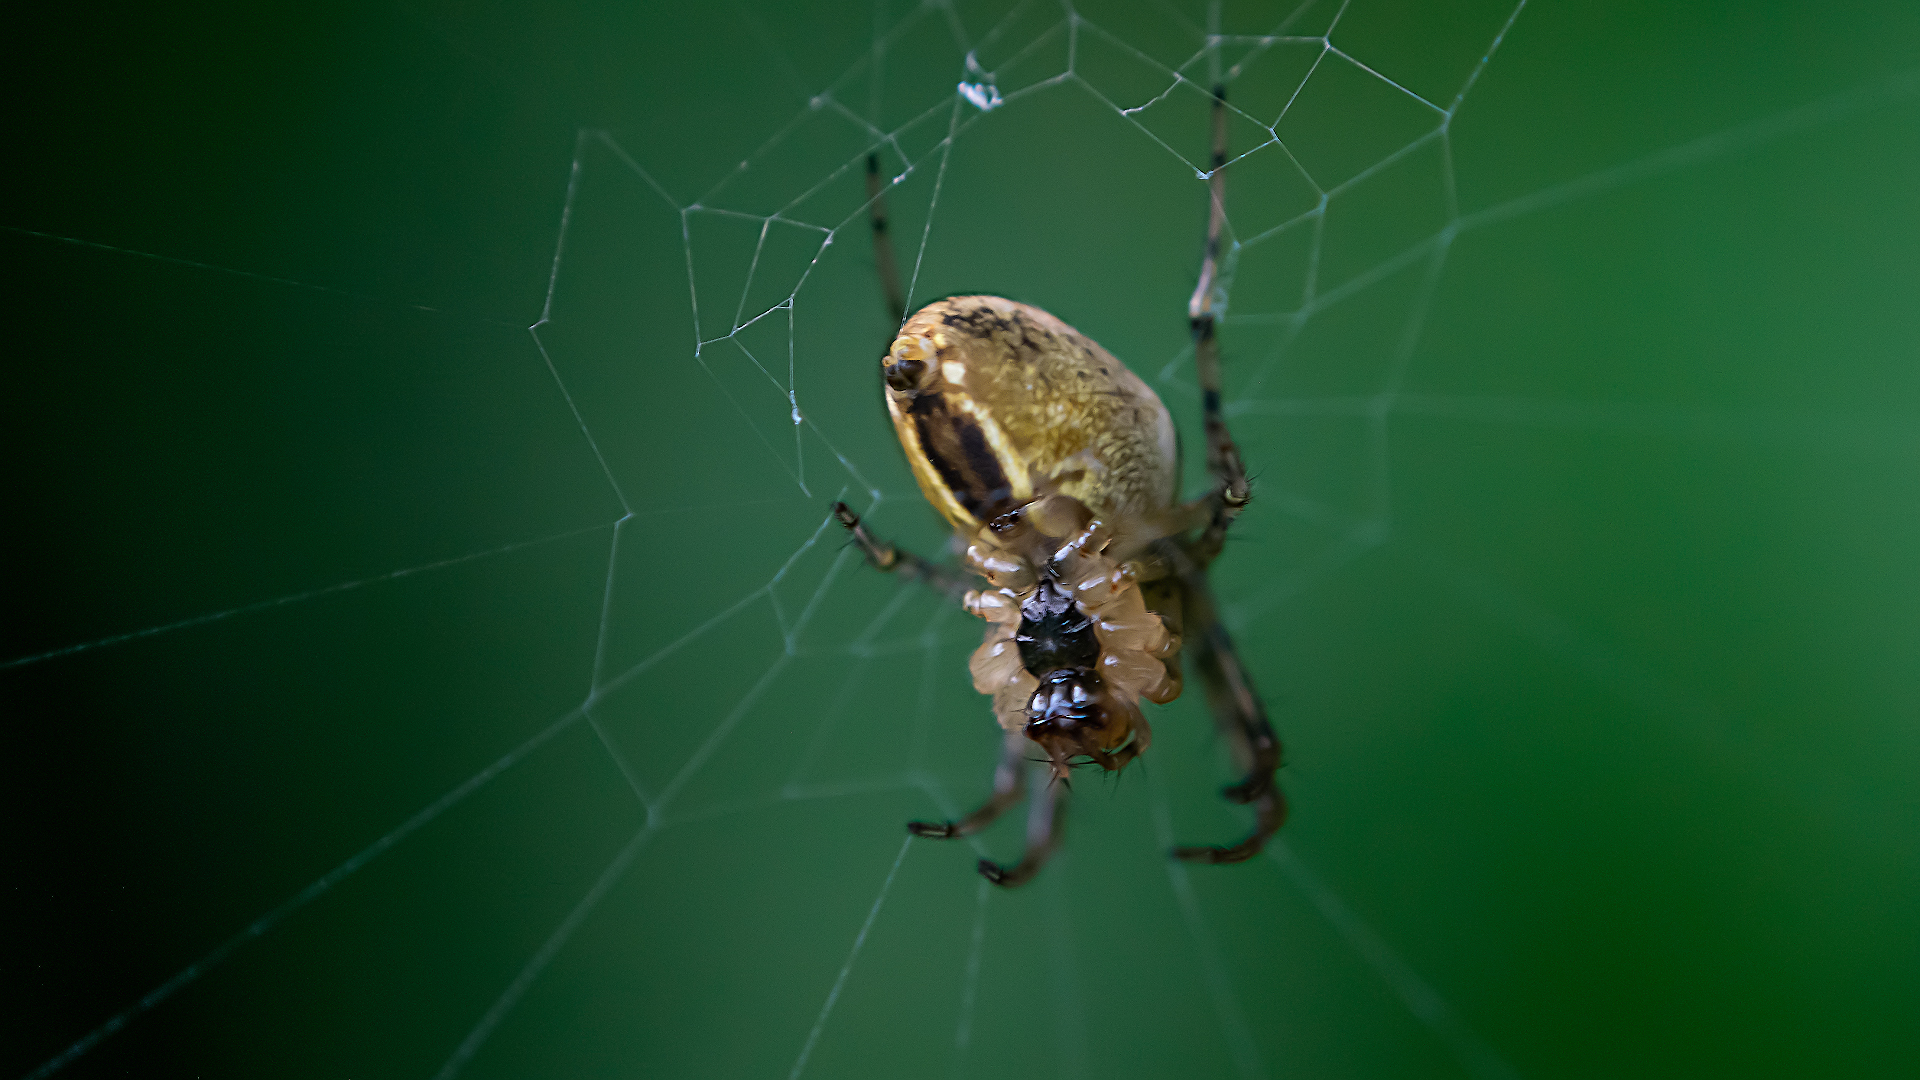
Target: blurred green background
{"points": [[1580, 578]]}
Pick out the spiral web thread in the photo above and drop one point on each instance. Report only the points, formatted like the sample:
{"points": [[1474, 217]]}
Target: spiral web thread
{"points": [[1218, 55]]}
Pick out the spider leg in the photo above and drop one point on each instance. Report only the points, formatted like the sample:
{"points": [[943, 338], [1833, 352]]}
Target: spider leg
{"points": [[1223, 457], [1007, 783], [883, 261], [884, 556], [1046, 813], [1242, 719]]}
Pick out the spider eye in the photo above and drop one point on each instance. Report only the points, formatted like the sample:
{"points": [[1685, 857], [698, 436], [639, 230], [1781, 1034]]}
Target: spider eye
{"points": [[1006, 522], [903, 372]]}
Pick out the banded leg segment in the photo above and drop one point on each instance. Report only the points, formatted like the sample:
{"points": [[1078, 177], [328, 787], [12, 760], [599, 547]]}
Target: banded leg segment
{"points": [[1241, 718], [883, 260], [1223, 457], [1046, 816], [1007, 787], [1244, 722], [881, 555]]}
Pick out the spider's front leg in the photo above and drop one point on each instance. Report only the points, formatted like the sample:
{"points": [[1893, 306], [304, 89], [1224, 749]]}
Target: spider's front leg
{"points": [[1231, 492], [881, 555], [1046, 813], [1240, 715], [1006, 791]]}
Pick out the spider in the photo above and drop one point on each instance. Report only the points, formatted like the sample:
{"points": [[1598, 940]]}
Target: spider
{"points": [[1057, 468]]}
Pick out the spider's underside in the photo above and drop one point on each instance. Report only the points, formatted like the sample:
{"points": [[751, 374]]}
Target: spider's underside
{"points": [[1057, 468]]}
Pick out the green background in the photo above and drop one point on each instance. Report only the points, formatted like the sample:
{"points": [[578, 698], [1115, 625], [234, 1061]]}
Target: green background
{"points": [[1589, 612]]}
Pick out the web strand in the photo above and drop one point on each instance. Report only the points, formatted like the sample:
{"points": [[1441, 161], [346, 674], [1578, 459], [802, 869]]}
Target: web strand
{"points": [[970, 982], [1227, 1008], [549, 949], [846, 969], [1426, 1005], [1351, 537], [295, 598], [252, 275], [266, 923]]}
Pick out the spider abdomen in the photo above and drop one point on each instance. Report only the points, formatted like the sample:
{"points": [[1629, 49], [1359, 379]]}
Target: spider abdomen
{"points": [[997, 402]]}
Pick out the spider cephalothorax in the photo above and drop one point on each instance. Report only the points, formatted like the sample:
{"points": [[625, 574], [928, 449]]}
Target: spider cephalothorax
{"points": [[1057, 468]]}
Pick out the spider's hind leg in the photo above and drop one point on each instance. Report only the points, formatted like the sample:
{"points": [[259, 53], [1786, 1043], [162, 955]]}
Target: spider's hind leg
{"points": [[884, 556], [1242, 719]]}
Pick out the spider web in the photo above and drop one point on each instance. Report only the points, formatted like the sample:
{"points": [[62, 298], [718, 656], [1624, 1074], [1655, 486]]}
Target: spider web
{"points": [[705, 839]]}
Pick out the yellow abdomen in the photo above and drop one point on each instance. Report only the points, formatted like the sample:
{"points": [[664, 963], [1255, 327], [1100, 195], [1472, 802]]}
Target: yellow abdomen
{"points": [[998, 402]]}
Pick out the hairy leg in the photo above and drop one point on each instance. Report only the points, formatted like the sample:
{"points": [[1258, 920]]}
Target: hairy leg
{"points": [[1007, 777], [1223, 457], [1242, 720], [945, 580], [1046, 814]]}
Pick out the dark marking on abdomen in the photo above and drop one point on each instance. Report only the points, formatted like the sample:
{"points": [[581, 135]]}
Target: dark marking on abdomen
{"points": [[960, 453]]}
